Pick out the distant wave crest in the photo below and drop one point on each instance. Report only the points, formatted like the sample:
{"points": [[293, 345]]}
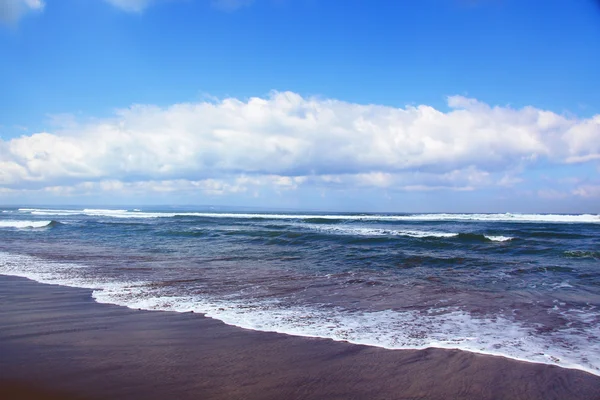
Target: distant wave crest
{"points": [[27, 224], [324, 219]]}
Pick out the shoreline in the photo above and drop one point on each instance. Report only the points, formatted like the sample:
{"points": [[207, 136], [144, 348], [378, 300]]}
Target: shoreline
{"points": [[60, 338], [96, 295]]}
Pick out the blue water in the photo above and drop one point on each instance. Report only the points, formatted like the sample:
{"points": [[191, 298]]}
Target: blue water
{"points": [[521, 286]]}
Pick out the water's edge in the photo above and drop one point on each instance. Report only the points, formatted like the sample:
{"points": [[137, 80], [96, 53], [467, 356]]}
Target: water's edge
{"points": [[95, 292]]}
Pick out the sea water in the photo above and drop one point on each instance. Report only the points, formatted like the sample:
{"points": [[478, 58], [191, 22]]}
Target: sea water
{"points": [[524, 286]]}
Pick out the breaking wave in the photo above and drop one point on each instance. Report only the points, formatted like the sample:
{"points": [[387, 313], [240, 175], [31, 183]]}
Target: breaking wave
{"points": [[324, 219], [442, 327], [27, 224], [364, 231]]}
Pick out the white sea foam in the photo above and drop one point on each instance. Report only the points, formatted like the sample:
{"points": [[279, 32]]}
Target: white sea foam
{"points": [[362, 231], [50, 210], [499, 238], [562, 285], [102, 211], [24, 224], [541, 218], [441, 327], [99, 213], [367, 231]]}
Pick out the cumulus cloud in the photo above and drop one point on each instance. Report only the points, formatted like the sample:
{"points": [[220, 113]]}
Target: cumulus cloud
{"points": [[285, 141], [12, 10]]}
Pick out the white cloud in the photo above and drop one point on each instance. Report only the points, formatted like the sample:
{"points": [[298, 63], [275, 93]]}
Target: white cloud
{"points": [[589, 191], [206, 187], [285, 140], [135, 6], [12, 10]]}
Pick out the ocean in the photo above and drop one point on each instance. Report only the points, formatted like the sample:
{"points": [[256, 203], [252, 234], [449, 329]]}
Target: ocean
{"points": [[523, 286]]}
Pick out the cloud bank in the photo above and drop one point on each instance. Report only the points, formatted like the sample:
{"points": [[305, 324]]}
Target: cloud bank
{"points": [[285, 141], [11, 11]]}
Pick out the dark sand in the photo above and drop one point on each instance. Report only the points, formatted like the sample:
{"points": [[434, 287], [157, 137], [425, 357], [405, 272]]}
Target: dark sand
{"points": [[56, 341]]}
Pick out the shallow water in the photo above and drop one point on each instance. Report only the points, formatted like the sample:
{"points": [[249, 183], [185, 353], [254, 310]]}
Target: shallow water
{"points": [[522, 286]]}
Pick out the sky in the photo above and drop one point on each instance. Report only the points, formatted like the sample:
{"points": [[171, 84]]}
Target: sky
{"points": [[349, 105]]}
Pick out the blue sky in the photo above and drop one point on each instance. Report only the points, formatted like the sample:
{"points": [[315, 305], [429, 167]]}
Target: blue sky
{"points": [[429, 105]]}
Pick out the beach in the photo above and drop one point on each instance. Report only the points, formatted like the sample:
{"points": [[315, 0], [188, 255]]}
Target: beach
{"points": [[285, 199], [56, 338]]}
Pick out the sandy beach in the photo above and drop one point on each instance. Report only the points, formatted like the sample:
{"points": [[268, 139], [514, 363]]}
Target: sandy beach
{"points": [[56, 341]]}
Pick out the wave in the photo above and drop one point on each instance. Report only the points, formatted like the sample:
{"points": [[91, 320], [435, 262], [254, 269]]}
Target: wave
{"points": [[361, 231], [332, 218], [444, 327], [582, 254], [28, 224], [322, 220], [499, 238], [484, 238]]}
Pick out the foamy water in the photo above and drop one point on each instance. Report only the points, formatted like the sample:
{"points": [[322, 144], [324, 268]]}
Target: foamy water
{"points": [[507, 217], [448, 328], [524, 287], [21, 224]]}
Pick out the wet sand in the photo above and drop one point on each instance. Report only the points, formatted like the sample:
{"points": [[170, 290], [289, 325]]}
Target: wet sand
{"points": [[56, 341]]}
